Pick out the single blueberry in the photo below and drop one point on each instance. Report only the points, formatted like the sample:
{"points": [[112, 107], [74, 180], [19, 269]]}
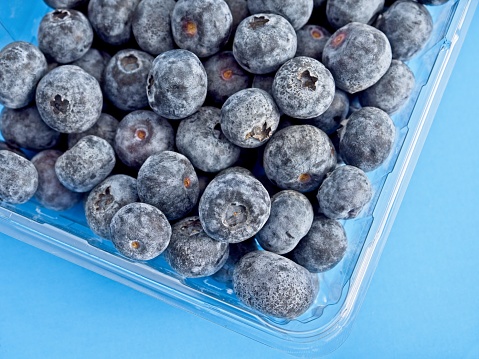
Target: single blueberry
{"points": [[151, 25], [18, 178], [51, 193], [22, 65], [357, 55], [367, 138], [290, 220], [140, 231], [234, 207], [303, 88], [192, 253], [177, 84], [344, 193], [298, 158], [264, 42], [141, 134], [239, 11], [297, 12], [168, 181], [408, 26], [225, 77], [201, 140], [125, 79], [65, 35], [94, 63], [343, 12], [69, 100], [249, 118], [311, 41], [106, 199], [86, 164], [111, 19], [25, 128], [273, 285], [105, 128], [264, 82]]}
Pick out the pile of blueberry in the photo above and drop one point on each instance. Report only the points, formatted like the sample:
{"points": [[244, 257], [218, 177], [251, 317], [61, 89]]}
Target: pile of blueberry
{"points": [[236, 131]]}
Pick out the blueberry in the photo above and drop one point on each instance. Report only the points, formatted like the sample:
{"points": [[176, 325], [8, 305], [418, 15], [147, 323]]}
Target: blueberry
{"points": [[264, 82], [111, 19], [343, 12], [433, 2], [18, 178], [344, 193], [298, 158], [51, 193], [125, 79], [319, 3], [367, 138], [69, 100], [177, 84], [141, 134], [337, 112], [140, 231], [201, 26], [297, 12], [225, 77], [408, 26], [290, 220], [192, 253], [65, 35], [264, 42], [65, 4], [273, 285], [94, 63], [303, 88], [105, 128], [22, 65], [357, 55], [6, 147], [168, 181], [235, 169], [200, 138], [392, 90], [239, 11], [86, 164], [151, 26], [249, 118], [236, 252], [25, 128], [323, 247], [106, 199], [234, 207], [311, 41]]}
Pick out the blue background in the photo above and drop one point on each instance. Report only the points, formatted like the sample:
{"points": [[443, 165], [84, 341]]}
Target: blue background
{"points": [[422, 302]]}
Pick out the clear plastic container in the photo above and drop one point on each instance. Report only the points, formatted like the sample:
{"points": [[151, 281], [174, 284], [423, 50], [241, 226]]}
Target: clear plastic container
{"points": [[327, 323]]}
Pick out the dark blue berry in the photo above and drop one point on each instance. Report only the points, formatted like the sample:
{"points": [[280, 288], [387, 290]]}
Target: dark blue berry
{"points": [[65, 4], [239, 11], [105, 128], [22, 65], [140, 231], [192, 253], [297, 12], [141, 134], [290, 220], [69, 99], [65, 35], [94, 63], [25, 128], [86, 164], [343, 12], [177, 84], [264, 42], [234, 207], [357, 55], [18, 178], [106, 199], [273, 285], [298, 158], [168, 181], [200, 138], [51, 193], [344, 193], [367, 138], [311, 41], [433, 2], [264, 82]]}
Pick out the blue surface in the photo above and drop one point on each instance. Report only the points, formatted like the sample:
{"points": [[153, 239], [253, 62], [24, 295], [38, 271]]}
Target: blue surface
{"points": [[422, 302]]}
